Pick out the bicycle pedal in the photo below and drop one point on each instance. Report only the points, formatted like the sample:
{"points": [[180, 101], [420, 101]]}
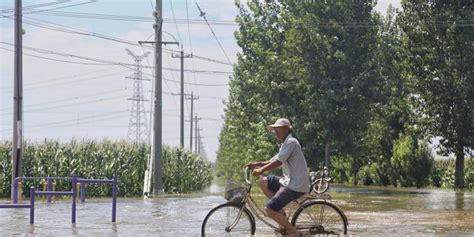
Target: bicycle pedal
{"points": [[281, 231]]}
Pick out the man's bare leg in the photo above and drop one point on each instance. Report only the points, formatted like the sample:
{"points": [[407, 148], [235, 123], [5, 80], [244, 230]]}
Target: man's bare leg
{"points": [[282, 221], [263, 183]]}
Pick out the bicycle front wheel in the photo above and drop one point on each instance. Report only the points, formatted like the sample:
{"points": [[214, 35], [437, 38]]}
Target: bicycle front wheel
{"points": [[228, 220], [320, 217]]}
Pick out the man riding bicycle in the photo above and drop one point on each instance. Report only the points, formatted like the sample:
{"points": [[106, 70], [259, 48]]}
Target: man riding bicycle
{"points": [[295, 180]]}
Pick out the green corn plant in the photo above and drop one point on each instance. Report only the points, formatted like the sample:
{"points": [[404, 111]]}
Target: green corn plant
{"points": [[182, 171]]}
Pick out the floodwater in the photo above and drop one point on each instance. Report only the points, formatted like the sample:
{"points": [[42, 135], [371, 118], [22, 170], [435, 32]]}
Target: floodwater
{"points": [[371, 211]]}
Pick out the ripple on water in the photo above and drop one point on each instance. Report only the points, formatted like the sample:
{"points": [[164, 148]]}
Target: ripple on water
{"points": [[370, 211]]}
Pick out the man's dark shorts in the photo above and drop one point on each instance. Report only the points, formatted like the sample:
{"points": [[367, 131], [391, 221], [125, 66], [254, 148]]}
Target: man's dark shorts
{"points": [[283, 195]]}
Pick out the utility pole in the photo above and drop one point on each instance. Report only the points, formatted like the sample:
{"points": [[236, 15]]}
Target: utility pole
{"points": [[181, 131], [199, 141], [196, 132], [157, 116], [17, 97], [192, 98], [158, 100]]}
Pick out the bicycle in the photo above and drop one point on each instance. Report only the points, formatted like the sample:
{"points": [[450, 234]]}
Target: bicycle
{"points": [[320, 181], [237, 216]]}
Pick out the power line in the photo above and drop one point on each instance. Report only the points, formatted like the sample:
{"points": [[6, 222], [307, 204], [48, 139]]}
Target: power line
{"points": [[111, 63], [57, 60], [39, 85], [62, 7], [50, 4], [351, 24], [212, 97], [126, 65], [49, 12], [49, 9], [174, 19], [67, 99], [152, 6], [203, 15], [74, 104], [166, 81], [191, 47], [180, 39], [152, 82], [62, 112], [70, 30], [87, 119], [107, 116], [36, 6], [108, 62], [63, 78], [110, 17]]}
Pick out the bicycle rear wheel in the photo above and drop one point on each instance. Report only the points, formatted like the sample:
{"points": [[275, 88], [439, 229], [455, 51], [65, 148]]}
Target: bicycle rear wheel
{"points": [[320, 185], [228, 220], [320, 217]]}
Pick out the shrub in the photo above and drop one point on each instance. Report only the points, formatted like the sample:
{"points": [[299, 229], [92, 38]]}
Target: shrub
{"points": [[412, 161]]}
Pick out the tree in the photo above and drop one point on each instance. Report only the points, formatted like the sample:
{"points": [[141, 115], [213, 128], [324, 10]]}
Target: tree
{"points": [[311, 62], [253, 93], [390, 114], [333, 46], [439, 48]]}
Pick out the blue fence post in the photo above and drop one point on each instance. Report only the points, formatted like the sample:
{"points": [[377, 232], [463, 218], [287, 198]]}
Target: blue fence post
{"points": [[114, 198], [74, 193], [32, 205]]}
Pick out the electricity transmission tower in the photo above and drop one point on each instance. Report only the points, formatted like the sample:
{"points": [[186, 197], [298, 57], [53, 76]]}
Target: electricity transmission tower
{"points": [[138, 127]]}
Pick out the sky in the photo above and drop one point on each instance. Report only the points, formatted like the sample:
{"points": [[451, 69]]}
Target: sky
{"points": [[68, 97]]}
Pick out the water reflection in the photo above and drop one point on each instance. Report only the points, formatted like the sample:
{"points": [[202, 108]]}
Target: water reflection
{"points": [[406, 211], [371, 211], [74, 230], [385, 199], [459, 200], [31, 229], [114, 228]]}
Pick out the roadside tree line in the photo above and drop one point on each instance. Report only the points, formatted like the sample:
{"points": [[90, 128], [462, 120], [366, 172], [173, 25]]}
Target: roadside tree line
{"points": [[366, 92]]}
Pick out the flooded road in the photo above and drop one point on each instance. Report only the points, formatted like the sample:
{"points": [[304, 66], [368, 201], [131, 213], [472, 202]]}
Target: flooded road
{"points": [[371, 211], [406, 211]]}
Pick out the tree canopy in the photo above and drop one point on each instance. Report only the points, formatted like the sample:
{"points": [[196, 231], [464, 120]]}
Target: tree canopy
{"points": [[355, 84]]}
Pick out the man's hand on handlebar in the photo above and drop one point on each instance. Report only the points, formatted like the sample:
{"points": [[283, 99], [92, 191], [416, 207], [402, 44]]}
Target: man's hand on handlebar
{"points": [[257, 172], [252, 165]]}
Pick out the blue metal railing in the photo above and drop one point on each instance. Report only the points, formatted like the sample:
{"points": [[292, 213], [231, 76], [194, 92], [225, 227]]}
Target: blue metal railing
{"points": [[73, 193]]}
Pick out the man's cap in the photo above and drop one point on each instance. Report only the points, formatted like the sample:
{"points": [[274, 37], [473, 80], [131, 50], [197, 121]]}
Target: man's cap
{"points": [[281, 122]]}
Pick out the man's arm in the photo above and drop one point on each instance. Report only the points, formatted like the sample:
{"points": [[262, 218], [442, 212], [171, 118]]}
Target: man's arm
{"points": [[271, 164], [253, 165]]}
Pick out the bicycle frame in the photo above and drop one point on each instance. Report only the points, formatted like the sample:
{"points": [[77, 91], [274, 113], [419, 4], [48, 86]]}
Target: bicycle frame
{"points": [[252, 209], [249, 203]]}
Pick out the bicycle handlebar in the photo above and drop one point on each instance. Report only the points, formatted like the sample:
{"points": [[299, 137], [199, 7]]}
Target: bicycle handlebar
{"points": [[246, 175]]}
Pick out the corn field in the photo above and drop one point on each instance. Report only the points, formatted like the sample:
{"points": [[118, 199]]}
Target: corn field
{"points": [[182, 171], [442, 174]]}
